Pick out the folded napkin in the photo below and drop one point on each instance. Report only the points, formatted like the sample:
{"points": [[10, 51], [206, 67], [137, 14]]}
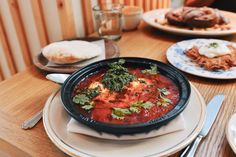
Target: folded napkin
{"points": [[100, 43], [176, 124]]}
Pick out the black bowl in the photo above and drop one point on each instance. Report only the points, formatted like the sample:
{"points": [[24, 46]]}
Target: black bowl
{"points": [[178, 78]]}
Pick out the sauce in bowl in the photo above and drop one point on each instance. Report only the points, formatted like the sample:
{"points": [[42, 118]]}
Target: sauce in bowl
{"points": [[120, 95]]}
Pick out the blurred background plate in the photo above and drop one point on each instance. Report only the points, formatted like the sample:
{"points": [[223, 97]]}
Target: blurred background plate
{"points": [[112, 51], [149, 18]]}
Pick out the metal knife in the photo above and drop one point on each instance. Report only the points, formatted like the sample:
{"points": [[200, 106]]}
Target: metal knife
{"points": [[212, 110]]}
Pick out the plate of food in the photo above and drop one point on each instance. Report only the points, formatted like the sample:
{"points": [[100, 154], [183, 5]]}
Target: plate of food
{"points": [[67, 56], [193, 21], [210, 58], [56, 120], [125, 95]]}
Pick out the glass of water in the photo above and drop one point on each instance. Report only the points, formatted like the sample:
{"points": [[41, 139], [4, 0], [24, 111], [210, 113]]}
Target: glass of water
{"points": [[108, 20]]}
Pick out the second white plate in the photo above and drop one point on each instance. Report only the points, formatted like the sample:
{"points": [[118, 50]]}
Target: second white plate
{"points": [[231, 132]]}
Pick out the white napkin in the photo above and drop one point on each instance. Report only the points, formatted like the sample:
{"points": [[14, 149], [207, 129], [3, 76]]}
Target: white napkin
{"points": [[176, 124], [100, 43]]}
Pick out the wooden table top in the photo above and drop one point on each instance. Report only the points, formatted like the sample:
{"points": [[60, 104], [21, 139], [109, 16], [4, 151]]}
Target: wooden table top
{"points": [[25, 94]]}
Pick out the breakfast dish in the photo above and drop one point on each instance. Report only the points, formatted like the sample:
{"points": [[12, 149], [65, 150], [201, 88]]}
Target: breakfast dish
{"points": [[125, 95], [192, 21], [111, 50], [193, 18], [75, 144], [67, 52], [213, 55], [209, 58]]}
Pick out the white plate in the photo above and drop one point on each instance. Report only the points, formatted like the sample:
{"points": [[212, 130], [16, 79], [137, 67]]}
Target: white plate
{"points": [[149, 18], [231, 132], [55, 119], [175, 55]]}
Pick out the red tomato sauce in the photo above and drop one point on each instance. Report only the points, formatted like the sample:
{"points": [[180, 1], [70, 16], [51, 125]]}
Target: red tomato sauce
{"points": [[131, 93]]}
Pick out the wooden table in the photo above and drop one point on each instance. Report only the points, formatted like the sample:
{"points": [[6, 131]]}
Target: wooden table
{"points": [[25, 94]]}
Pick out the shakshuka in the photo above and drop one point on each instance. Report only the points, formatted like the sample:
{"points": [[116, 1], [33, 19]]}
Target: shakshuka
{"points": [[120, 95]]}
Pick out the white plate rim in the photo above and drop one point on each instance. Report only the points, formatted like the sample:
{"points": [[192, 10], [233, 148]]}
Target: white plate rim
{"points": [[181, 31], [71, 151], [228, 133], [169, 52]]}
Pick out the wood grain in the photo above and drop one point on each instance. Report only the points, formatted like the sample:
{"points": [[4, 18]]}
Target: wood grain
{"points": [[121, 1], [115, 1], [87, 15], [20, 32], [25, 94], [154, 4], [139, 3], [129, 2], [147, 5], [40, 22], [166, 4], [66, 18], [100, 2], [6, 48], [1, 74], [160, 3]]}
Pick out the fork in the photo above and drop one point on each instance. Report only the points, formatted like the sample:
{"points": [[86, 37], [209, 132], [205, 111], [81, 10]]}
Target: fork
{"points": [[31, 122]]}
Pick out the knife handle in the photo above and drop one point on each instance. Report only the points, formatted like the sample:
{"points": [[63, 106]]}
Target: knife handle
{"points": [[191, 149]]}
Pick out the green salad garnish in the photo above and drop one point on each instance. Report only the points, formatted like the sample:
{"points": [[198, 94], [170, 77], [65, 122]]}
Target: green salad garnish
{"points": [[117, 76], [152, 71]]}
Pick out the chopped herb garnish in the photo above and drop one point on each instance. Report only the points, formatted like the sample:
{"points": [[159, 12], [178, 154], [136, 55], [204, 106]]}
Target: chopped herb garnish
{"points": [[81, 99], [85, 99], [137, 104], [91, 93], [165, 99], [164, 102], [214, 45], [142, 81], [119, 113], [117, 76], [151, 71], [151, 85], [163, 91], [117, 117], [88, 106], [134, 109], [147, 105]]}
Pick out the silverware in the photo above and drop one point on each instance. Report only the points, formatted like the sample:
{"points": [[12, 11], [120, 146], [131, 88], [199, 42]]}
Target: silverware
{"points": [[58, 78], [31, 122], [213, 108]]}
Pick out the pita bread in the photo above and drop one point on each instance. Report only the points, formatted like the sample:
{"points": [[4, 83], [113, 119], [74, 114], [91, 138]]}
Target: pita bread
{"points": [[65, 52]]}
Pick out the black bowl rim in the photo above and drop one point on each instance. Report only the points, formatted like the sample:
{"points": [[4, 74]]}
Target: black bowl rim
{"points": [[138, 60]]}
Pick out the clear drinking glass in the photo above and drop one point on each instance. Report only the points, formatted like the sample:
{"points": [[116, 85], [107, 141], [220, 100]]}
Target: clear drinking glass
{"points": [[108, 20]]}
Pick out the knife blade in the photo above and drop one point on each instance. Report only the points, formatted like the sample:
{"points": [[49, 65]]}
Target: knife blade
{"points": [[212, 111], [213, 108]]}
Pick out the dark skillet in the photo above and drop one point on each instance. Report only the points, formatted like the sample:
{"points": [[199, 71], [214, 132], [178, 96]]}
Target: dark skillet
{"points": [[178, 78]]}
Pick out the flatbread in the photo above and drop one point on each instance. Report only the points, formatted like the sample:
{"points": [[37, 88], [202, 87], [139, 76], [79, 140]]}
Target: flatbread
{"points": [[65, 52]]}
